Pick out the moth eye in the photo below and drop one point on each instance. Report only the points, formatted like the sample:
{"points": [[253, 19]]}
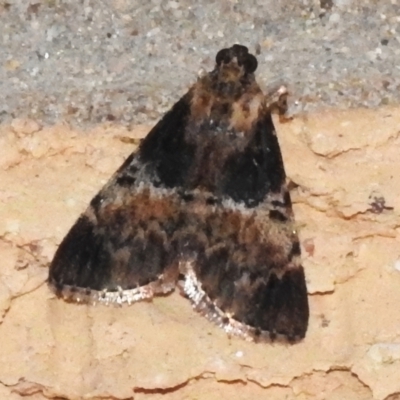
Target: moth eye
{"points": [[223, 56], [250, 63]]}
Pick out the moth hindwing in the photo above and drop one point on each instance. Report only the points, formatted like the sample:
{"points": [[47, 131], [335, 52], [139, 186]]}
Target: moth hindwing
{"points": [[202, 204]]}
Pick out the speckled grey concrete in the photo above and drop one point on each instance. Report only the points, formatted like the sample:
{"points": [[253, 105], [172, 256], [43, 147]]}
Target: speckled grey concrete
{"points": [[89, 61]]}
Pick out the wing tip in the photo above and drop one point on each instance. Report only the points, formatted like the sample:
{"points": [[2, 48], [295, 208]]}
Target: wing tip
{"points": [[205, 306]]}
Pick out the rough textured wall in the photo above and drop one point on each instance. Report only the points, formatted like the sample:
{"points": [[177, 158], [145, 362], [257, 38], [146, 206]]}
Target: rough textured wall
{"points": [[346, 192]]}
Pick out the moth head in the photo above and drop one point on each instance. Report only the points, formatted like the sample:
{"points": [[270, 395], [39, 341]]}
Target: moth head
{"points": [[237, 56]]}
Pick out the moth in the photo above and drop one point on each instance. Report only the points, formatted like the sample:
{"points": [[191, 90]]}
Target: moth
{"points": [[202, 205]]}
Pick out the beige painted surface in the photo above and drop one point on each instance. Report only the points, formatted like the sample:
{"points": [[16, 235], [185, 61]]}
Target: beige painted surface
{"points": [[338, 162]]}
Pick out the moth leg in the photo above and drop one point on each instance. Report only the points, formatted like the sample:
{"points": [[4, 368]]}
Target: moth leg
{"points": [[277, 96]]}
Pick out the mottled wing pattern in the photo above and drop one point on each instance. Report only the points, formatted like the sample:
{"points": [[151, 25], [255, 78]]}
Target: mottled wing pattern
{"points": [[204, 203], [119, 250], [244, 271]]}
